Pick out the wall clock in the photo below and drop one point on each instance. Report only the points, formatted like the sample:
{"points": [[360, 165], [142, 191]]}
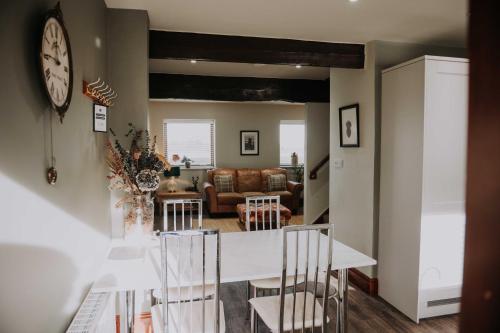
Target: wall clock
{"points": [[56, 63]]}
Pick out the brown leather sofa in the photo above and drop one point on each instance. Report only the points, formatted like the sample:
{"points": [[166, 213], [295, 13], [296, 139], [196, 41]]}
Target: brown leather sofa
{"points": [[248, 182]]}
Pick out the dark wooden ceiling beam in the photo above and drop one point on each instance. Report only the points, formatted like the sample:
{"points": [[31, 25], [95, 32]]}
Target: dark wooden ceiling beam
{"points": [[221, 48], [237, 89]]}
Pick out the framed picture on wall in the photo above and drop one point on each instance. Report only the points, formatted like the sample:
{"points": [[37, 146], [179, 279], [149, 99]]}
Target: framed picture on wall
{"points": [[349, 125], [249, 142]]}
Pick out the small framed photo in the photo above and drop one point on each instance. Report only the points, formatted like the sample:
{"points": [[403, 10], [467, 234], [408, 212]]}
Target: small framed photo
{"points": [[349, 125], [249, 142], [100, 118]]}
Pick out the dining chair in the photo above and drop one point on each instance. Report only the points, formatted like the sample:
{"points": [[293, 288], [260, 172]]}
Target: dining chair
{"points": [[185, 264], [185, 214], [264, 213], [258, 209], [299, 310]]}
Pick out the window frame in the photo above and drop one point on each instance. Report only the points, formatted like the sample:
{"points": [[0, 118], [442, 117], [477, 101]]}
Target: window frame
{"points": [[191, 121], [292, 122]]}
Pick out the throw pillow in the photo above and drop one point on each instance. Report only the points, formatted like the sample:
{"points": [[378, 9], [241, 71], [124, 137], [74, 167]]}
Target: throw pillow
{"points": [[276, 183], [223, 183]]}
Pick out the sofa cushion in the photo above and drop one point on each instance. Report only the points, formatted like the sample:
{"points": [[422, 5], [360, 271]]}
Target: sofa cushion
{"points": [[284, 195], [229, 198], [223, 183], [276, 183], [266, 172], [222, 171], [252, 194], [249, 180]]}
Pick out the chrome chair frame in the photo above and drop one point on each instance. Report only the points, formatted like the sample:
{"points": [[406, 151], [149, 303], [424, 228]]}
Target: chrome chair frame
{"points": [[164, 238], [255, 200], [262, 200], [297, 229], [174, 204], [184, 204]]}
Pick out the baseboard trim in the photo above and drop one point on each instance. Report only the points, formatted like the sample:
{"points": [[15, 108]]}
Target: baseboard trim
{"points": [[364, 282]]}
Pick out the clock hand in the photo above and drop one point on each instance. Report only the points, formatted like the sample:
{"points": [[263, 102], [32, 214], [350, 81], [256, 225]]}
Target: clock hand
{"points": [[53, 58], [56, 47]]}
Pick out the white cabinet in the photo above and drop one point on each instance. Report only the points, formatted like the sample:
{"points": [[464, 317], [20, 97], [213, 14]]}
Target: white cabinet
{"points": [[422, 185]]}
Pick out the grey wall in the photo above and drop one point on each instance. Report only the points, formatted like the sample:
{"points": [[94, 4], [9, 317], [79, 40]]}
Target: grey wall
{"points": [[354, 189], [128, 68], [317, 147], [52, 238]]}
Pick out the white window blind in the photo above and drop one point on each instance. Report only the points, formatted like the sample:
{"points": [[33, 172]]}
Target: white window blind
{"points": [[292, 139], [193, 138]]}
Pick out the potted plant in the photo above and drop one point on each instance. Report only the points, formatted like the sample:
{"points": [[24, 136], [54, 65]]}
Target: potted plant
{"points": [[187, 162], [135, 171]]}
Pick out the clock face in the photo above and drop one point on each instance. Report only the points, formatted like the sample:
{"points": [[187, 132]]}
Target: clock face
{"points": [[55, 56]]}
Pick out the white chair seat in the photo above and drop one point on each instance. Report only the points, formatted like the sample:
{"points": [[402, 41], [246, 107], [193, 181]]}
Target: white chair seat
{"points": [[268, 309], [275, 283], [188, 317], [173, 293], [332, 292]]}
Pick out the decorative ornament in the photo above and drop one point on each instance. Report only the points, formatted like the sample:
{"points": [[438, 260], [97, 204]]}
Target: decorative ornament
{"points": [[56, 65], [52, 175], [295, 159], [148, 180]]}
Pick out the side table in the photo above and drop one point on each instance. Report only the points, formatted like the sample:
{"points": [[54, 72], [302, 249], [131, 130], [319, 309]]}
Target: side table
{"points": [[164, 195]]}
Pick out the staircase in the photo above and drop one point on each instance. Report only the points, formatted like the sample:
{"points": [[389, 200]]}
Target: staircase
{"points": [[313, 177]]}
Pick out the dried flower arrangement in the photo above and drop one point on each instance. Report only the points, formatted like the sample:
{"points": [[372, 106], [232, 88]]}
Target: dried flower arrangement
{"points": [[135, 171]]}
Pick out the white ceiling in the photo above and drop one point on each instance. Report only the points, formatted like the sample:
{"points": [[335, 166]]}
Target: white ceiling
{"points": [[438, 22], [237, 69]]}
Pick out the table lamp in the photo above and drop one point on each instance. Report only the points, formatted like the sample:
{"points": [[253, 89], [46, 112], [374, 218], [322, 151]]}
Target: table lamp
{"points": [[174, 171]]}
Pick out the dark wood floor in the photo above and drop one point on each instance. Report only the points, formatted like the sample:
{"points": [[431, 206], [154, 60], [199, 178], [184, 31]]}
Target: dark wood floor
{"points": [[367, 314]]}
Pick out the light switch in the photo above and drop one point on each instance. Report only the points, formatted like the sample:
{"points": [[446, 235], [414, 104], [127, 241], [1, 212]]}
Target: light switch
{"points": [[338, 164]]}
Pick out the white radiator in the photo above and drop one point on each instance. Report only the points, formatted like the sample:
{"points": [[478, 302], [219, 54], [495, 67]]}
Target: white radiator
{"points": [[96, 314]]}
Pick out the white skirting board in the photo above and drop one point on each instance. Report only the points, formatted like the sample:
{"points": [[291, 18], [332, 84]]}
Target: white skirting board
{"points": [[439, 301]]}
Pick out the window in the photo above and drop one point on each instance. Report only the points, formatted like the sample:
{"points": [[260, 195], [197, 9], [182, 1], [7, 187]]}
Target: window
{"points": [[292, 139], [193, 138]]}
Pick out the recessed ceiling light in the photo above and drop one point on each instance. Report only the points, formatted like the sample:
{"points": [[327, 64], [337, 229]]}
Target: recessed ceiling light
{"points": [[193, 61], [353, 0], [298, 66]]}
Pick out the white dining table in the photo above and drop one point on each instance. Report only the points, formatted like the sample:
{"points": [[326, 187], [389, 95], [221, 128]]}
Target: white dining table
{"points": [[131, 266]]}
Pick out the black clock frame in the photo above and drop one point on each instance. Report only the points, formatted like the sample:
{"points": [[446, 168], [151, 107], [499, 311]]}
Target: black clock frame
{"points": [[56, 13]]}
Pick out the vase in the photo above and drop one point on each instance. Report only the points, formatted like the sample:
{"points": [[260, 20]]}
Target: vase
{"points": [[138, 217], [295, 159]]}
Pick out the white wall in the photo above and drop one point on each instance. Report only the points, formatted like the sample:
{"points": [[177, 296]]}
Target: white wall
{"points": [[52, 238], [354, 189], [230, 119], [317, 146]]}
